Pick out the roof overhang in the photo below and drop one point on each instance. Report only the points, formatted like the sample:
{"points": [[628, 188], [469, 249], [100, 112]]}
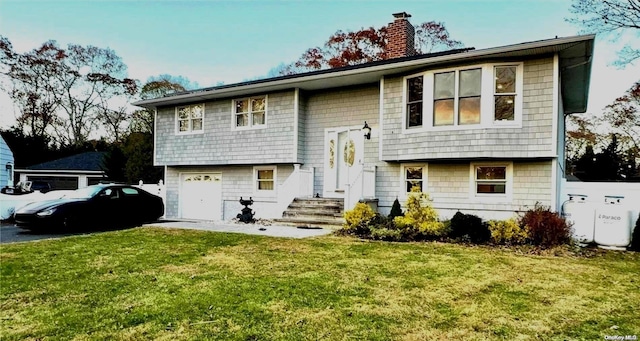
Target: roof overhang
{"points": [[575, 55], [59, 171]]}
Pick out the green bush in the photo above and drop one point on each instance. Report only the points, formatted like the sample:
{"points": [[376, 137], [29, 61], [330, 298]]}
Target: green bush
{"points": [[545, 228], [469, 226], [358, 219], [507, 232], [396, 210], [635, 238], [420, 218], [381, 232]]}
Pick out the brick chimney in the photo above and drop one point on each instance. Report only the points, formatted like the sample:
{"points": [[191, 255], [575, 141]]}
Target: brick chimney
{"points": [[400, 37]]}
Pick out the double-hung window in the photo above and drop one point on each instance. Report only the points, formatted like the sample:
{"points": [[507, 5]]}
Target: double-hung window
{"points": [[505, 93], [190, 118], [491, 180], [264, 180], [414, 178], [250, 112]]}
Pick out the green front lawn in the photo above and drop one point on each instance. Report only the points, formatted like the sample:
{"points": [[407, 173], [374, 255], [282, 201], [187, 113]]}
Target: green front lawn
{"points": [[149, 283]]}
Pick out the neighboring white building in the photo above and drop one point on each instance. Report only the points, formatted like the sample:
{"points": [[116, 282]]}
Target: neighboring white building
{"points": [[6, 164]]}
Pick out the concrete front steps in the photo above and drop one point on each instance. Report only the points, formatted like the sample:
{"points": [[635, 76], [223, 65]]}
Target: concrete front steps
{"points": [[314, 212]]}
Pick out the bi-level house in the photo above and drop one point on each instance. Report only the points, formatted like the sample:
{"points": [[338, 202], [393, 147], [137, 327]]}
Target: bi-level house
{"points": [[481, 131]]}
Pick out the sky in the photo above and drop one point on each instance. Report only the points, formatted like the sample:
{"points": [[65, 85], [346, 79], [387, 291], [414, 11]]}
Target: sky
{"points": [[212, 42]]}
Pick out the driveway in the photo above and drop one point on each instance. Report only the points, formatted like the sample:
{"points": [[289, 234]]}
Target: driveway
{"points": [[10, 233], [255, 229]]}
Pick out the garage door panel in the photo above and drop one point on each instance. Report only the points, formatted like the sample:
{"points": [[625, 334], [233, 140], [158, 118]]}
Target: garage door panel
{"points": [[201, 196], [57, 182]]}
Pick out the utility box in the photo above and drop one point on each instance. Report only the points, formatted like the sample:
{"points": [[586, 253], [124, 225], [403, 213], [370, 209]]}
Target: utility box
{"points": [[613, 224], [581, 215]]}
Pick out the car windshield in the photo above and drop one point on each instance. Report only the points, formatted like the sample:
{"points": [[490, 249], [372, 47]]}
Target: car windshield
{"points": [[83, 193]]}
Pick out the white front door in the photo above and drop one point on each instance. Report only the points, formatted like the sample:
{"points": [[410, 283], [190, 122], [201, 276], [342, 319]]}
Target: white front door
{"points": [[201, 196], [344, 158]]}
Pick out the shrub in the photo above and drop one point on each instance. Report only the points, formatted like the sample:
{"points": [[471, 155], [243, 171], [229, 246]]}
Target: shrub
{"points": [[545, 228], [635, 238], [420, 218], [469, 226], [396, 210], [357, 220], [507, 232], [380, 232]]}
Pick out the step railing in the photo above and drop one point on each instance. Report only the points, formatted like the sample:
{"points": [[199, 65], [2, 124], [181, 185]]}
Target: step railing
{"points": [[305, 189], [298, 185], [362, 187]]}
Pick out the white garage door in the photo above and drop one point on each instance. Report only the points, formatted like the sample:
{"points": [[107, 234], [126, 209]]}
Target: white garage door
{"points": [[201, 196]]}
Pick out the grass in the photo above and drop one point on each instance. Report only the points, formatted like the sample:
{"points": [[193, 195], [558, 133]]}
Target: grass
{"points": [[149, 283]]}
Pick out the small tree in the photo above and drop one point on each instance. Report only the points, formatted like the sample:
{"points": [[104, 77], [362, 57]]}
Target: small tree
{"points": [[396, 210], [420, 216]]}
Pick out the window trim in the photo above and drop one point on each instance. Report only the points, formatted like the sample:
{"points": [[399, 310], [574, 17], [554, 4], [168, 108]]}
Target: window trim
{"points": [[486, 99], [251, 126], [488, 197], [518, 95], [407, 103], [190, 131], [425, 180], [265, 192]]}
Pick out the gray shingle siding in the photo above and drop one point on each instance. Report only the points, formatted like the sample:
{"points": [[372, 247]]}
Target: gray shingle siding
{"points": [[338, 108], [534, 139], [221, 144]]}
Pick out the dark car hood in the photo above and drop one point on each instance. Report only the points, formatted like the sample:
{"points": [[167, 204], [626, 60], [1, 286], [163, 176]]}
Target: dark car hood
{"points": [[46, 204]]}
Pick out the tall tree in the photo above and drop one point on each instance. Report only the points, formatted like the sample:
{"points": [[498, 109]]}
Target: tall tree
{"points": [[142, 119], [170, 83], [69, 90], [623, 115], [28, 81], [27, 149], [366, 45], [138, 150], [581, 132], [613, 17]]}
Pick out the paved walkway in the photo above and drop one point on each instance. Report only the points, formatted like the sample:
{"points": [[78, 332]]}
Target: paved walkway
{"points": [[256, 229]]}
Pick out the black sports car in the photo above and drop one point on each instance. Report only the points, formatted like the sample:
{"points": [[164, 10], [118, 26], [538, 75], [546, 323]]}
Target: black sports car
{"points": [[97, 205]]}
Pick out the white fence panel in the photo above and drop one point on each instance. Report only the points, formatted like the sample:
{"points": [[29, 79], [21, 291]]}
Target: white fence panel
{"points": [[158, 189], [596, 192]]}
